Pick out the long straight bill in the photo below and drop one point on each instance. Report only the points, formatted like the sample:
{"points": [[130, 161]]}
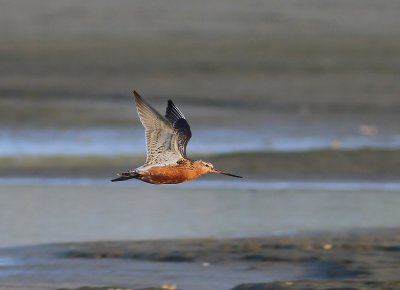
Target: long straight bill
{"points": [[225, 173]]}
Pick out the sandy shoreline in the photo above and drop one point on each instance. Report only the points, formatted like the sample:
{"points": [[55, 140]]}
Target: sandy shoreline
{"points": [[357, 260]]}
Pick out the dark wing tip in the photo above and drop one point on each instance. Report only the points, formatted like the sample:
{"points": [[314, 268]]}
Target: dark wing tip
{"points": [[138, 99], [179, 123], [136, 94], [170, 110], [173, 113]]}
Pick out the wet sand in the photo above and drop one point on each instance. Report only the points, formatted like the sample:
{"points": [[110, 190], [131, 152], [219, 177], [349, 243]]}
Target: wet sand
{"points": [[324, 260]]}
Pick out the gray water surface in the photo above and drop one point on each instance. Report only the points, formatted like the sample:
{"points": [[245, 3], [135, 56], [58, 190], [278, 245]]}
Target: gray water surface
{"points": [[45, 213]]}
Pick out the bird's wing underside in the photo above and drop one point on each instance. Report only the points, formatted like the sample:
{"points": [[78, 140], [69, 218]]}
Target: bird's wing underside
{"points": [[180, 125], [161, 137]]}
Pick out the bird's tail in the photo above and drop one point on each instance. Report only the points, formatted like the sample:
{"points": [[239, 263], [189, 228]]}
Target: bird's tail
{"points": [[126, 176]]}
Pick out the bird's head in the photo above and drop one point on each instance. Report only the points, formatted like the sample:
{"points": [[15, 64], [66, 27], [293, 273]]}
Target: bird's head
{"points": [[208, 167]]}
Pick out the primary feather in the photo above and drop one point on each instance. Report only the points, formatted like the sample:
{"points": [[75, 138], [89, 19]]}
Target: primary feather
{"points": [[180, 125]]}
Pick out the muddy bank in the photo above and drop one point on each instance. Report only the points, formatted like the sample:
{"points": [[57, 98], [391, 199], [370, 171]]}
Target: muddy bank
{"points": [[324, 260], [321, 285], [365, 255], [295, 285], [363, 164]]}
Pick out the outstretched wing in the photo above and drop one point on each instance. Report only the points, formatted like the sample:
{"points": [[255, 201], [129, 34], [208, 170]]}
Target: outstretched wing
{"points": [[181, 126], [161, 137]]}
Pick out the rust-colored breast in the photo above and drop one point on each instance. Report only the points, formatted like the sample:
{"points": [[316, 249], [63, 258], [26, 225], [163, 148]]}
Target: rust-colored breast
{"points": [[169, 174]]}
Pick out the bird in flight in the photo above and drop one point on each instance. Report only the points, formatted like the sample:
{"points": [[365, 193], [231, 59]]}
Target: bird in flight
{"points": [[166, 141]]}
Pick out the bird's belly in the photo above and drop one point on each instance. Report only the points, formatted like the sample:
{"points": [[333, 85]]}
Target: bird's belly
{"points": [[168, 175]]}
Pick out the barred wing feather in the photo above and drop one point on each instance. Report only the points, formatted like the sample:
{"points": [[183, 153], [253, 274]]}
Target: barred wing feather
{"points": [[161, 137]]}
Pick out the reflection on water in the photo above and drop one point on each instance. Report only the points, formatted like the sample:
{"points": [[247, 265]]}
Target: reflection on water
{"points": [[131, 141], [42, 213]]}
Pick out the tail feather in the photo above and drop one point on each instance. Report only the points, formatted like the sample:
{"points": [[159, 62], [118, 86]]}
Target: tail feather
{"points": [[126, 176]]}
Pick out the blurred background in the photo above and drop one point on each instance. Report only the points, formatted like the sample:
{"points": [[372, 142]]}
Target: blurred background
{"points": [[300, 97]]}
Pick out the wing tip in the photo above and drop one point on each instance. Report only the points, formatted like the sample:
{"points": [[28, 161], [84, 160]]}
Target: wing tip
{"points": [[137, 96], [173, 113]]}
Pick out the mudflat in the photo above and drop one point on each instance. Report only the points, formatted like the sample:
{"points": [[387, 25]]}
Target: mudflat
{"points": [[357, 260], [76, 64]]}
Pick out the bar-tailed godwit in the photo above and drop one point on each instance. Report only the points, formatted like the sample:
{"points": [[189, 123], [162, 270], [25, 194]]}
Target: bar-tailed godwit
{"points": [[166, 141]]}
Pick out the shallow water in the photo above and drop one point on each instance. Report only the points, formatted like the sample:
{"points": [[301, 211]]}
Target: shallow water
{"points": [[107, 141], [34, 213]]}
